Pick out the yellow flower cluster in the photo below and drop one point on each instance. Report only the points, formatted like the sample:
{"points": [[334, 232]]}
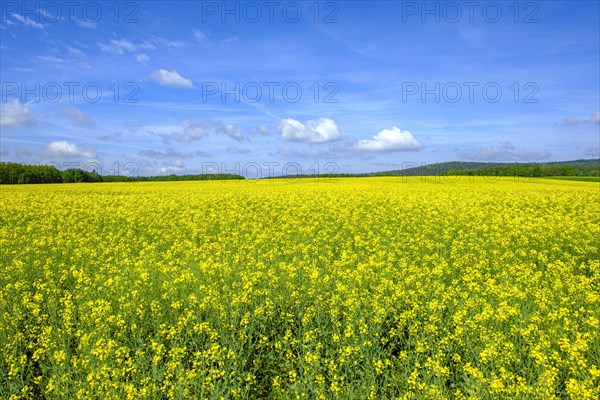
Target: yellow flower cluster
{"points": [[347, 288]]}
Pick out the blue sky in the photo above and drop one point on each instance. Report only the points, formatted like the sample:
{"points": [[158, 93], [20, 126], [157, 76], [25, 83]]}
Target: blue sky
{"points": [[272, 87]]}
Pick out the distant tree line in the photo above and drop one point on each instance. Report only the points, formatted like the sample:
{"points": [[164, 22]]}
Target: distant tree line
{"points": [[15, 173], [589, 167], [530, 170]]}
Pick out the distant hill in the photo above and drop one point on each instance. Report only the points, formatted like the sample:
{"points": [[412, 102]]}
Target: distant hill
{"points": [[589, 167]]}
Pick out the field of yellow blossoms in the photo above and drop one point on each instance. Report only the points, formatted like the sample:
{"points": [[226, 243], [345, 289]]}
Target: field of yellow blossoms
{"points": [[301, 288]]}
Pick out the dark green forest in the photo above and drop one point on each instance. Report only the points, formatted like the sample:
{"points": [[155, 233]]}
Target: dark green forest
{"points": [[15, 173]]}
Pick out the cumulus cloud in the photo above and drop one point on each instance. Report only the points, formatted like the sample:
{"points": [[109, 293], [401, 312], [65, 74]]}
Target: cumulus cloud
{"points": [[15, 114], [500, 152], [172, 168], [78, 116], [389, 140], [63, 148], [171, 78], [168, 153], [228, 129], [315, 131], [192, 130]]}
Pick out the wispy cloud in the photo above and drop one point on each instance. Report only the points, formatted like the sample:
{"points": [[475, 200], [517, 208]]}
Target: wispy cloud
{"points": [[122, 46], [502, 152], [51, 59], [87, 24], [80, 117], [571, 121], [142, 58], [27, 21], [194, 130], [205, 40], [168, 153]]}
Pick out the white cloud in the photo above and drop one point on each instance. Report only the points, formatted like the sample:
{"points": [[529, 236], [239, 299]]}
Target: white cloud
{"points": [[111, 137], [27, 21], [195, 130], [263, 129], [205, 40], [75, 52], [594, 120], [15, 114], [121, 46], [173, 167], [201, 37], [171, 78], [287, 152], [229, 130], [192, 130], [77, 115], [239, 150], [500, 152], [87, 24], [389, 140], [51, 59], [168, 153], [142, 58], [62, 148], [319, 131], [164, 42]]}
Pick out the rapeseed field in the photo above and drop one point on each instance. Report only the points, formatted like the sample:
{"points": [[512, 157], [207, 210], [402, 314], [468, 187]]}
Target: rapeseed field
{"points": [[301, 289]]}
